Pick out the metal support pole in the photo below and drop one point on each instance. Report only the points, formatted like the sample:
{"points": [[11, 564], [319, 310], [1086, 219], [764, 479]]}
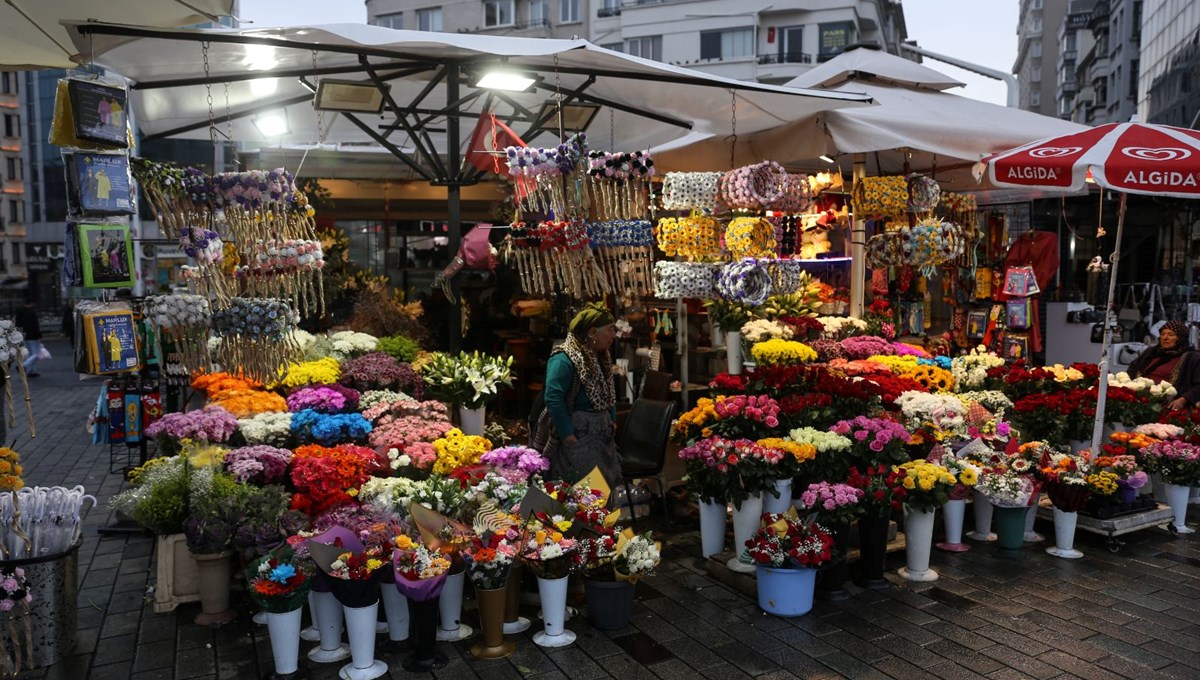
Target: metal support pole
{"points": [[453, 200], [681, 349], [1109, 319], [858, 250]]}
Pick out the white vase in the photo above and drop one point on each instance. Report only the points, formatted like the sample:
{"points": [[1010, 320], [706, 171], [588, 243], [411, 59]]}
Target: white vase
{"points": [[918, 539], [311, 634], [1080, 445], [1159, 490], [953, 513], [1177, 498], [328, 617], [982, 508], [713, 516], [284, 630], [473, 420], [746, 521], [783, 487], [360, 627], [717, 336], [553, 593], [1032, 536], [450, 625], [395, 610], [733, 352], [1064, 535]]}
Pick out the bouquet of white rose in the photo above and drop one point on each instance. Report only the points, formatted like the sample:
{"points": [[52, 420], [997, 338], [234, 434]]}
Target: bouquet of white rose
{"points": [[970, 370]]}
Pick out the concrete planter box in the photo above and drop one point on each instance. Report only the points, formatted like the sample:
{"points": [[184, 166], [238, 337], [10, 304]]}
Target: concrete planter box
{"points": [[176, 580]]}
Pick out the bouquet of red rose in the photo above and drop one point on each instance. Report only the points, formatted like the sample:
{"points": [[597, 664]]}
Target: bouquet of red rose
{"points": [[784, 541], [882, 487]]}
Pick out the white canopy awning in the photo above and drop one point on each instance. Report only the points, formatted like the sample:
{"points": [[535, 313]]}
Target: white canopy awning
{"points": [[643, 103]]}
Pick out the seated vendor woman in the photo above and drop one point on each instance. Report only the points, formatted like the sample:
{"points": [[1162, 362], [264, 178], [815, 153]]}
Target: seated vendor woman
{"points": [[1172, 360]]}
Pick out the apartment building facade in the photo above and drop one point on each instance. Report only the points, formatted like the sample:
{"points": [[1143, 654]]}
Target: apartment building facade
{"points": [[757, 40], [1037, 55], [12, 187], [1169, 86]]}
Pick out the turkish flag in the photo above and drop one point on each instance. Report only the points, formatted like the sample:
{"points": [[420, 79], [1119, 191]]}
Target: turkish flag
{"points": [[490, 135]]}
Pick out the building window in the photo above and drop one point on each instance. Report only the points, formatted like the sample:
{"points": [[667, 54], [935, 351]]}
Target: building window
{"points": [[393, 20], [1035, 76], [1036, 4], [16, 212], [539, 12], [11, 125], [649, 47], [14, 169], [1037, 25], [1035, 98], [1134, 64], [568, 11], [737, 42], [615, 47], [8, 82], [1037, 50], [429, 19], [1071, 40], [497, 13], [16, 251]]}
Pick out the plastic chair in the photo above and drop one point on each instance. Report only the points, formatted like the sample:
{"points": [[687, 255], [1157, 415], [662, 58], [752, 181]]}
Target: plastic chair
{"points": [[643, 447]]}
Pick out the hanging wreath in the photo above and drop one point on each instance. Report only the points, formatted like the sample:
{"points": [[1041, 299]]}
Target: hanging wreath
{"points": [[750, 237]]}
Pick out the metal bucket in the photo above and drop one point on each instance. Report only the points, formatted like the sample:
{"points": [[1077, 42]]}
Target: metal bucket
{"points": [[53, 582]]}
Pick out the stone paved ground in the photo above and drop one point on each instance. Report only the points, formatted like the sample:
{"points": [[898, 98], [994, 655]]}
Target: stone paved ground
{"points": [[1134, 615]]}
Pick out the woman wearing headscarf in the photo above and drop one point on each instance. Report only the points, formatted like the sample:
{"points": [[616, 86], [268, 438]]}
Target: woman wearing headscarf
{"points": [[578, 426], [1173, 360]]}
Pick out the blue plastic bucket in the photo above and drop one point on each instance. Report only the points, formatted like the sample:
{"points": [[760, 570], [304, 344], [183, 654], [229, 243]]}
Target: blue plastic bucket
{"points": [[786, 592]]}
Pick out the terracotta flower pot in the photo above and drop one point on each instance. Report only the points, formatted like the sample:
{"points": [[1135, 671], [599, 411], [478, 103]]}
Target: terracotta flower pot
{"points": [[213, 574]]}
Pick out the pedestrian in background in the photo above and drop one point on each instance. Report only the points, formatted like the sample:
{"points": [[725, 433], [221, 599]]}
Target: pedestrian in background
{"points": [[27, 321]]}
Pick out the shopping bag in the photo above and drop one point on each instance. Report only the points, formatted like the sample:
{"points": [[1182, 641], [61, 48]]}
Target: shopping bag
{"points": [[43, 354]]}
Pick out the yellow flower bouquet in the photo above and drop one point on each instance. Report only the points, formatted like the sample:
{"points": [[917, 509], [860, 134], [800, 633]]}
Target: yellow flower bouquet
{"points": [[779, 352], [457, 450], [928, 485]]}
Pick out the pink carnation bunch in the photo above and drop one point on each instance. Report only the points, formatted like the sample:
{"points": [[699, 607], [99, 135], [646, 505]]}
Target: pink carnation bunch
{"points": [[863, 346], [320, 398]]}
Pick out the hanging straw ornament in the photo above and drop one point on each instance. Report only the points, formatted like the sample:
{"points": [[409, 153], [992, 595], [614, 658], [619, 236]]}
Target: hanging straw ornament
{"points": [[923, 193], [690, 190], [13, 352], [750, 237], [186, 318], [256, 337]]}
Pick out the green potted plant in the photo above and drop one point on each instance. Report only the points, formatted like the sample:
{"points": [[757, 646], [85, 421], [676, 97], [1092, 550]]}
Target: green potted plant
{"points": [[215, 512]]}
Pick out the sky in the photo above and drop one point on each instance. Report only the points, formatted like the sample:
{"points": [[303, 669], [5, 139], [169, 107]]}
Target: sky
{"points": [[981, 32]]}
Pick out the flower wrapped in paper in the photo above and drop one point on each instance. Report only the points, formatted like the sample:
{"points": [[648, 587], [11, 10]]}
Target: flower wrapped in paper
{"points": [[349, 564], [419, 570], [786, 541], [492, 550], [637, 555], [280, 580]]}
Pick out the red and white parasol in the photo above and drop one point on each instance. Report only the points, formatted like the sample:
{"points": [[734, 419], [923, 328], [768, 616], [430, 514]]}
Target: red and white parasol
{"points": [[1132, 158]]}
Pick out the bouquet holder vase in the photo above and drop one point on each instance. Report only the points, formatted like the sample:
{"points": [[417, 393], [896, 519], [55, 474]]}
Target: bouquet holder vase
{"points": [[783, 487], [953, 513], [1064, 535], [513, 621], [284, 630], [213, 573], [1177, 498], [491, 619], [1010, 526], [360, 628], [553, 593], [311, 634], [982, 508], [451, 628], [786, 592], [609, 603], [473, 420], [1079, 445], [918, 536], [713, 515], [831, 576], [733, 352], [395, 610], [746, 521], [872, 546], [425, 657], [327, 615], [717, 336], [1031, 536]]}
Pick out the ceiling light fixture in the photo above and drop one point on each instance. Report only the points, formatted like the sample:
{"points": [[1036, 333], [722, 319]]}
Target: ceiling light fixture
{"points": [[825, 158], [509, 81], [272, 124], [353, 96], [575, 117]]}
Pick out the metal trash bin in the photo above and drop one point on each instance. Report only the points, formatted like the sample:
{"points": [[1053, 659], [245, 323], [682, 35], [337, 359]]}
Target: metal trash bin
{"points": [[54, 583]]}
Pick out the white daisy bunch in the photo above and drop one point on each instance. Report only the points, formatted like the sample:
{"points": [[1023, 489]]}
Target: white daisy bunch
{"points": [[347, 344], [941, 411], [841, 327], [690, 190], [12, 342], [273, 429], [176, 311], [970, 370], [684, 279], [994, 401], [388, 493]]}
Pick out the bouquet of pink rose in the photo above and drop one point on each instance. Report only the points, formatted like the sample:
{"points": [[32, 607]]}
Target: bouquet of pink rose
{"points": [[874, 441], [833, 504], [1178, 462], [749, 416]]}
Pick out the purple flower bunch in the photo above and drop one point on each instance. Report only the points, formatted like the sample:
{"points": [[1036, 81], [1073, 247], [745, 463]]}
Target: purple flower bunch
{"points": [[260, 464], [14, 589], [832, 503], [211, 424], [874, 441], [827, 350], [516, 461], [376, 370], [1177, 461], [863, 346], [320, 398], [906, 350]]}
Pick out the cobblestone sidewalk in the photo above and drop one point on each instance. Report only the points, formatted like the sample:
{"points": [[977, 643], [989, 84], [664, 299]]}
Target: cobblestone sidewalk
{"points": [[1135, 614]]}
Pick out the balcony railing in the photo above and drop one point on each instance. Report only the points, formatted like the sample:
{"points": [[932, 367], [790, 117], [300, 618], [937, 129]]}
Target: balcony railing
{"points": [[785, 58], [532, 23], [608, 12], [1070, 55]]}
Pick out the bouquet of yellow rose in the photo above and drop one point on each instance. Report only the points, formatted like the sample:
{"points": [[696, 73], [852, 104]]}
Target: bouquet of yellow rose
{"points": [[928, 484]]}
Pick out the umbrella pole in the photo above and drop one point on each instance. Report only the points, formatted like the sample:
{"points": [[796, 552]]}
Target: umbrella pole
{"points": [[858, 241], [1102, 390]]}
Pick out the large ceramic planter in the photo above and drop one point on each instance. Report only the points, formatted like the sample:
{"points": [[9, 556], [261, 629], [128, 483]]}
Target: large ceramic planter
{"points": [[609, 603], [327, 616], [473, 420], [779, 505], [1010, 526], [786, 592], [982, 509], [553, 593], [213, 573], [918, 537], [175, 576], [1064, 535], [450, 626], [872, 550], [284, 630], [513, 621], [491, 620], [360, 628], [1177, 498], [831, 581], [733, 352], [953, 513], [713, 516], [746, 520]]}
